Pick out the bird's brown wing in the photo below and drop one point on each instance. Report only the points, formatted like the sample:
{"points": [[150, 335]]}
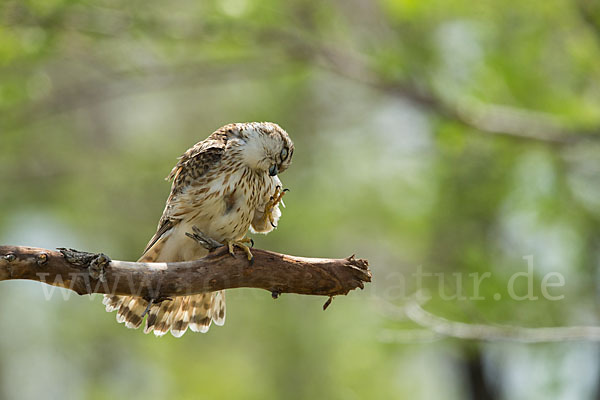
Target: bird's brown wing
{"points": [[164, 226], [198, 311], [192, 165]]}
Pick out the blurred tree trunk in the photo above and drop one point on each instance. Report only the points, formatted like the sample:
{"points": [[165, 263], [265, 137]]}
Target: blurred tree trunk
{"points": [[478, 387]]}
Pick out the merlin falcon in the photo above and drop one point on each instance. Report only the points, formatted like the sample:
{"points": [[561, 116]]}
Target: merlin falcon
{"points": [[223, 186]]}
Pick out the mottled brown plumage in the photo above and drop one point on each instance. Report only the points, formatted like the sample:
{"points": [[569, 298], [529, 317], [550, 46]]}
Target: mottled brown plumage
{"points": [[222, 185]]}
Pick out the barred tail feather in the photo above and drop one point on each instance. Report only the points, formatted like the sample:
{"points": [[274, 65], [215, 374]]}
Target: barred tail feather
{"points": [[163, 313], [182, 318], [201, 312], [206, 308], [218, 308], [195, 312], [112, 303], [134, 316]]}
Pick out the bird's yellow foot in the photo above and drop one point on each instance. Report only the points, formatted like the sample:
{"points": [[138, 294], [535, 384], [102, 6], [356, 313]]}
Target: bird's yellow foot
{"points": [[275, 199], [241, 244]]}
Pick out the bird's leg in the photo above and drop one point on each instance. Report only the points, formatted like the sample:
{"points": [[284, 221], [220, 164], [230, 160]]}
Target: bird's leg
{"points": [[207, 242], [152, 301], [273, 201], [96, 263], [241, 244], [148, 307], [210, 244]]}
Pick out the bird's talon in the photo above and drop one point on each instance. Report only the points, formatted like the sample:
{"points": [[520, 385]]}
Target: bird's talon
{"points": [[241, 244], [272, 203]]}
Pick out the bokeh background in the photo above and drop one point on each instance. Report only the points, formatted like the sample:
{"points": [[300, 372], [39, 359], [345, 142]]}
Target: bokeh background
{"points": [[454, 136]]}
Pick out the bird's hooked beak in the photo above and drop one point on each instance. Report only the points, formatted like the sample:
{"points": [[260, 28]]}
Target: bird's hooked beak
{"points": [[273, 170]]}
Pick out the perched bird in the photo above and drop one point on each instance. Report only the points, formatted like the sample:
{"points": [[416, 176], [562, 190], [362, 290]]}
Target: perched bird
{"points": [[223, 186]]}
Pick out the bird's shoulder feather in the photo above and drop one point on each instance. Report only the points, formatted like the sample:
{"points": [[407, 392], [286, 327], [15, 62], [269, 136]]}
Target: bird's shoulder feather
{"points": [[199, 159]]}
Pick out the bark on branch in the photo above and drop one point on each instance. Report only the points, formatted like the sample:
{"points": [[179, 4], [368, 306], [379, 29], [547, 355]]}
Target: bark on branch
{"points": [[87, 273]]}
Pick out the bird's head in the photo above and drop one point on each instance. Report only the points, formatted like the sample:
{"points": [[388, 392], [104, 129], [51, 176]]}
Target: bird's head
{"points": [[265, 146]]}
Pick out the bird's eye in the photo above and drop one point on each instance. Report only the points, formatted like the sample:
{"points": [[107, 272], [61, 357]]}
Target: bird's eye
{"points": [[284, 153]]}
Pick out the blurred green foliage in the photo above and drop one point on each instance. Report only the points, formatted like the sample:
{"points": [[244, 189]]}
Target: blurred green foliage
{"points": [[424, 135]]}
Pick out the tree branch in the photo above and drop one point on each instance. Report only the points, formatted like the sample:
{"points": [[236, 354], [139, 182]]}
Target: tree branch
{"points": [[87, 273], [437, 327], [486, 118], [494, 119]]}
